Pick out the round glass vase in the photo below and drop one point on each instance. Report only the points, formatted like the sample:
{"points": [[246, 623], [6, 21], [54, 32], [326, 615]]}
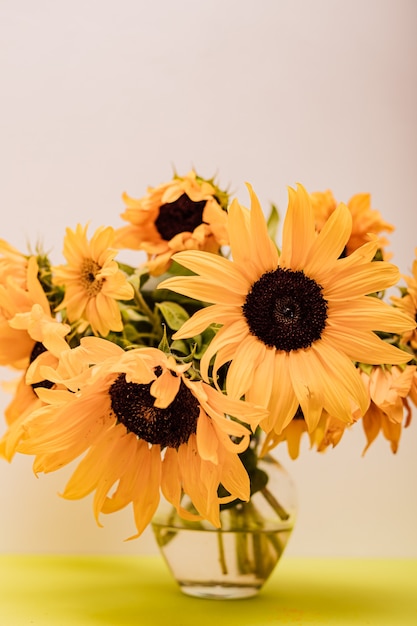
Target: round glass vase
{"points": [[237, 559]]}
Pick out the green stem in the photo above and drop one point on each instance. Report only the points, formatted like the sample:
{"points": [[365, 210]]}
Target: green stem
{"points": [[143, 307], [275, 504], [153, 317], [222, 559]]}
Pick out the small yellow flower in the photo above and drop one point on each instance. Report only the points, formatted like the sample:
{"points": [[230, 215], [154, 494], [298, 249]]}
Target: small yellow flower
{"points": [[93, 281], [187, 213], [142, 426]]}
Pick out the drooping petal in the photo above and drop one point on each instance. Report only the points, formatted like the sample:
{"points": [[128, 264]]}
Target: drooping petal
{"points": [[104, 465], [207, 442], [148, 479], [248, 412], [346, 384], [246, 359], [307, 385], [371, 422], [164, 389], [261, 389], [283, 402], [171, 485], [235, 477]]}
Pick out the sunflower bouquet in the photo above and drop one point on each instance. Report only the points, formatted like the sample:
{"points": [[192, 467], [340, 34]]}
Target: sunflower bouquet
{"points": [[175, 375]]}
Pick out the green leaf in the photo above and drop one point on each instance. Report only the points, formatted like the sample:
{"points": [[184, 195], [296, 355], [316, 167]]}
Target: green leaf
{"points": [[174, 314], [134, 281], [203, 341], [272, 222], [179, 270], [163, 344], [127, 269], [181, 346]]}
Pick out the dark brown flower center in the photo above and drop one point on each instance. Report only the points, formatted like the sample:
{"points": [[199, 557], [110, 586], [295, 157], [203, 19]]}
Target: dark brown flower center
{"points": [[89, 282], [182, 215], [38, 349], [134, 407], [286, 310]]}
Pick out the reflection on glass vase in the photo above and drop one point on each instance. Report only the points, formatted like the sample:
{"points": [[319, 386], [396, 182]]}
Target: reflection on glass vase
{"points": [[236, 560]]}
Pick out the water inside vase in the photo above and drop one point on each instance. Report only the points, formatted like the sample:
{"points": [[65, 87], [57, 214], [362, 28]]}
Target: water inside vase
{"points": [[222, 564]]}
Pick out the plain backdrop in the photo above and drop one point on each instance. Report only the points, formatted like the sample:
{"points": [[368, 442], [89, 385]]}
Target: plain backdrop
{"points": [[100, 97]]}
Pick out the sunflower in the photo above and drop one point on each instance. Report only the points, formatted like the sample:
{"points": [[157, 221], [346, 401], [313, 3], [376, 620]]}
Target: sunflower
{"points": [[388, 389], [46, 339], [143, 427], [93, 281], [17, 298], [292, 323], [365, 220], [27, 330], [408, 304], [186, 213]]}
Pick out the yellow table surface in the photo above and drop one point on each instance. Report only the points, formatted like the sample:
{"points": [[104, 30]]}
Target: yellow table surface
{"points": [[51, 590]]}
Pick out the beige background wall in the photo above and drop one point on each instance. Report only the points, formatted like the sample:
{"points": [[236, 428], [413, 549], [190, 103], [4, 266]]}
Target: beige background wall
{"points": [[100, 96]]}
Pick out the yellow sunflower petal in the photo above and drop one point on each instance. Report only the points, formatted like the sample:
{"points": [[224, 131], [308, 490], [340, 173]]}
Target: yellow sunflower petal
{"points": [[201, 289], [100, 468], [262, 248], [260, 391], [164, 389], [204, 318], [283, 402], [369, 313], [241, 241], [298, 230], [217, 268], [148, 478], [235, 477], [308, 385], [127, 483], [365, 347], [391, 432], [247, 411], [226, 336], [371, 423], [207, 441], [359, 280], [330, 242], [246, 359], [346, 385]]}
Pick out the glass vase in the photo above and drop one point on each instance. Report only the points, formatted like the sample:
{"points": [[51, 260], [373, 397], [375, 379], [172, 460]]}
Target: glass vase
{"points": [[236, 560]]}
